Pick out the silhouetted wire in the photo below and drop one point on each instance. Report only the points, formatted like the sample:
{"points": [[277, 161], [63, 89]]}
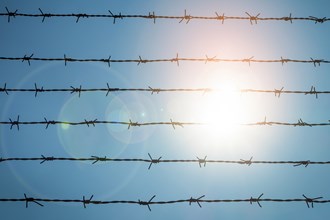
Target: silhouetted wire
{"points": [[153, 90], [200, 162], [186, 17], [130, 123], [177, 59], [309, 201]]}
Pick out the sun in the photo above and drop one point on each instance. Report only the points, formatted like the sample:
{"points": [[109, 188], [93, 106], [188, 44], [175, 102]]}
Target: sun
{"points": [[221, 110]]}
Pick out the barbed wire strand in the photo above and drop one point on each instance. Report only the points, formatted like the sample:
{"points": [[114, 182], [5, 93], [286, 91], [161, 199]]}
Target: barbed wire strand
{"points": [[204, 161], [177, 59], [185, 18], [130, 123], [73, 90], [309, 201]]}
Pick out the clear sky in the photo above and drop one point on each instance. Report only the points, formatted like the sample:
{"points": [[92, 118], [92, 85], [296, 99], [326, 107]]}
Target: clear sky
{"points": [[129, 39]]}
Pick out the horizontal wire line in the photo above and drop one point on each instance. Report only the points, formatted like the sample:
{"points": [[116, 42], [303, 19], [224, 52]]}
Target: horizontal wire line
{"points": [[130, 123], [153, 90], [309, 201], [176, 59], [95, 159], [152, 16]]}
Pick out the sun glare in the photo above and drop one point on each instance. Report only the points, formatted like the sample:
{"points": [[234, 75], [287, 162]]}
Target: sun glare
{"points": [[221, 110]]}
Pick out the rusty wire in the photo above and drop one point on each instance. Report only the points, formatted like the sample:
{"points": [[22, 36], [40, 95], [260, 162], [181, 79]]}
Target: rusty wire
{"points": [[185, 18], [309, 201], [152, 90]]}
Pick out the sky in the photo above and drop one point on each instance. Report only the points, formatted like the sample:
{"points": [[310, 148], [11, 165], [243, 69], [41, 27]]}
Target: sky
{"points": [[222, 139]]}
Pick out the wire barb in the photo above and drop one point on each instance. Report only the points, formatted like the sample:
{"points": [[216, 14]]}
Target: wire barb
{"points": [[92, 122], [302, 123], [304, 163], [212, 59], [131, 124], [78, 90], [116, 16], [26, 58], [264, 122], [288, 18], [317, 61], [4, 89], [253, 18], [153, 161], [278, 92], [176, 124], [198, 200], [46, 159], [87, 201], [37, 89], [257, 200], [312, 91], [221, 17], [147, 203], [201, 161], [154, 90], [97, 159], [248, 60], [10, 14], [284, 60], [49, 122], [152, 16], [318, 20], [30, 199], [13, 123], [247, 162], [44, 15], [311, 200], [141, 61], [81, 16], [186, 17]]}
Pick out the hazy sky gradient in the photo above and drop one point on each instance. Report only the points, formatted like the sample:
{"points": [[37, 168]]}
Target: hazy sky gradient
{"points": [[129, 39]]}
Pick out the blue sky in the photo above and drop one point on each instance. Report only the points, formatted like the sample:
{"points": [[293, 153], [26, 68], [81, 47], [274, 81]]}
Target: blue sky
{"points": [[129, 39]]}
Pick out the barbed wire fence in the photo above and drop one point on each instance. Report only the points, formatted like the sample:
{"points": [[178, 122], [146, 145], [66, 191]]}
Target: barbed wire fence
{"points": [[185, 18], [78, 90]]}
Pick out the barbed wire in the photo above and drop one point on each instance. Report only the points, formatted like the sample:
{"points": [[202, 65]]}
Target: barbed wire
{"points": [[151, 160], [185, 18], [130, 123], [177, 59], [73, 90], [199, 200]]}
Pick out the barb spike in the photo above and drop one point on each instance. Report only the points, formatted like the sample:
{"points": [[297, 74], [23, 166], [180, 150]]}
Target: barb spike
{"points": [[147, 203], [198, 200], [257, 200], [87, 201], [153, 161], [311, 200], [201, 161]]}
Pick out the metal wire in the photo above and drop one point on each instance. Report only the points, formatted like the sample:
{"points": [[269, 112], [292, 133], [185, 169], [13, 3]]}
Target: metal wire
{"points": [[309, 201], [185, 18], [130, 123], [73, 90], [177, 59], [151, 160]]}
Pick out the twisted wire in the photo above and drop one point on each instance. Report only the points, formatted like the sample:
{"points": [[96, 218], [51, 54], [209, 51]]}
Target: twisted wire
{"points": [[185, 18], [204, 161], [130, 123], [177, 59], [309, 201], [153, 90]]}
